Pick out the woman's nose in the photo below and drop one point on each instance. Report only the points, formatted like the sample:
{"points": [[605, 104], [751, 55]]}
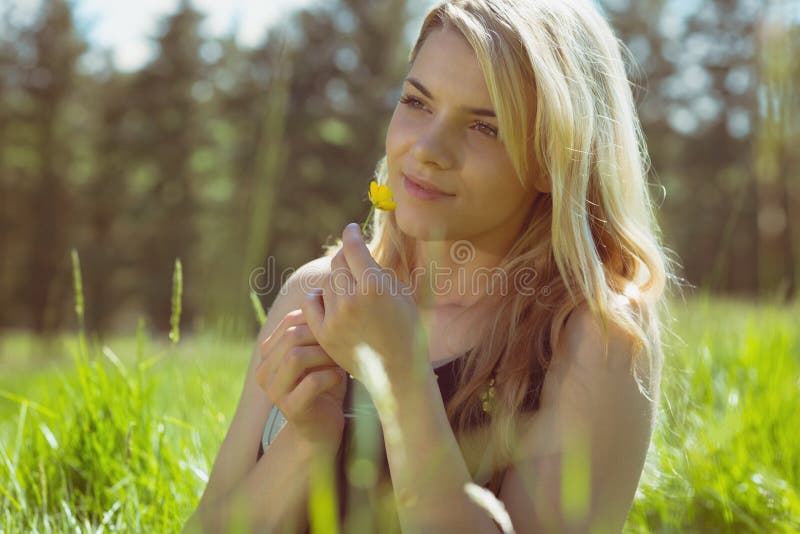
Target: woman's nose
{"points": [[434, 146]]}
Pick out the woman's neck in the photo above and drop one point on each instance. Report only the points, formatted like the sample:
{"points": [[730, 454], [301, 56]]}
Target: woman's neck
{"points": [[454, 274]]}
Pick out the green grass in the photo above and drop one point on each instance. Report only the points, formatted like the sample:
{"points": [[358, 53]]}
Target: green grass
{"points": [[122, 439], [122, 434], [725, 455]]}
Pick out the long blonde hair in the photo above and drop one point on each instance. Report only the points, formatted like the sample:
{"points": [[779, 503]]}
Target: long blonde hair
{"points": [[557, 80]]}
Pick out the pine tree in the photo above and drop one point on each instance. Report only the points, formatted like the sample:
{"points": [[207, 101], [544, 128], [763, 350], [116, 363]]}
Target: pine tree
{"points": [[106, 201], [170, 135], [47, 84]]}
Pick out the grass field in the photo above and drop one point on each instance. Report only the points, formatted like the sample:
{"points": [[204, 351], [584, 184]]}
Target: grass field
{"points": [[120, 435]]}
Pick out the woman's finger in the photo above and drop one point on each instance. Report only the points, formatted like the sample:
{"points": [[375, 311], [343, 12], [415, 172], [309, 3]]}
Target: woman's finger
{"points": [[310, 387], [297, 362], [314, 311], [293, 336], [341, 279], [263, 374], [293, 318], [291, 328], [296, 335]]}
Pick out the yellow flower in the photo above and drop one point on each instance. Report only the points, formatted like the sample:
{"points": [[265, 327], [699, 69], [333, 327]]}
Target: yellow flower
{"points": [[381, 196]]}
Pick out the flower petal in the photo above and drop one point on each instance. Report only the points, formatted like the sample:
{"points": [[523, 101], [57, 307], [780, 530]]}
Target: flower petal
{"points": [[373, 191]]}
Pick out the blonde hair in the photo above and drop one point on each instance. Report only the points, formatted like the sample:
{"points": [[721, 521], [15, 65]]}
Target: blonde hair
{"points": [[557, 80]]}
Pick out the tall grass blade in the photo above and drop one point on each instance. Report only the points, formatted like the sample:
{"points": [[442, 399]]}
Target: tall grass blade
{"points": [[493, 506], [177, 293], [77, 285], [323, 501], [377, 383], [261, 316], [77, 288]]}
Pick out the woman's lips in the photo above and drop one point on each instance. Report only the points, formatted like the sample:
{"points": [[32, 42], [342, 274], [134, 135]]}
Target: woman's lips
{"points": [[423, 194]]}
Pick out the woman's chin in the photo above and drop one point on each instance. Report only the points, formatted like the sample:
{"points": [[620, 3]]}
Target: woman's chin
{"points": [[422, 228]]}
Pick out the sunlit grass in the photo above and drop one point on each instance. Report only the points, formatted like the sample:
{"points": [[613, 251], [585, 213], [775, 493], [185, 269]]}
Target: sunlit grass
{"points": [[725, 455], [123, 434], [117, 439]]}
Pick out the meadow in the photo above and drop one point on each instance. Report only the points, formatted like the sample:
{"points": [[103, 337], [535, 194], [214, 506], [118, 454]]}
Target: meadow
{"points": [[120, 434]]}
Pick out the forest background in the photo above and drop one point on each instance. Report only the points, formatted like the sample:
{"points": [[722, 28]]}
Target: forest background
{"points": [[224, 156]]}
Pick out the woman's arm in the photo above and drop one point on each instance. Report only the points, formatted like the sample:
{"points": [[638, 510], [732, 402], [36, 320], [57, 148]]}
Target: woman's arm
{"points": [[272, 496], [272, 491], [584, 450], [579, 459], [427, 466]]}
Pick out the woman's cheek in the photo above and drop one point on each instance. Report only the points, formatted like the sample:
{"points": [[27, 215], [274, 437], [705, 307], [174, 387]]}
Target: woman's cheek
{"points": [[398, 134], [405, 127]]}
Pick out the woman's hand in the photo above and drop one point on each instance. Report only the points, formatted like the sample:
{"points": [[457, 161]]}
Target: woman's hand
{"points": [[363, 303], [306, 385]]}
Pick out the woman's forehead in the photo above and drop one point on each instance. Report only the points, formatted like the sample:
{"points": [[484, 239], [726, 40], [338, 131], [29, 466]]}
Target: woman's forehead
{"points": [[447, 67]]}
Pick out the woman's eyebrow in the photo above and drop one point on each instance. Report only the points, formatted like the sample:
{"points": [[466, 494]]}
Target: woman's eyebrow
{"points": [[474, 111]]}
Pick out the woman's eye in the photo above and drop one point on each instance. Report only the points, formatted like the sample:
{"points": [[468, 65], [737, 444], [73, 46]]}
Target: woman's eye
{"points": [[480, 126], [486, 128], [412, 102]]}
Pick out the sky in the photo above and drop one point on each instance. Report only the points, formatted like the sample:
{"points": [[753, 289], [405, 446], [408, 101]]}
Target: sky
{"points": [[126, 27], [123, 26]]}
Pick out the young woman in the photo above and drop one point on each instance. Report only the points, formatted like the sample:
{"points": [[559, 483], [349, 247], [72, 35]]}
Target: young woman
{"points": [[513, 299]]}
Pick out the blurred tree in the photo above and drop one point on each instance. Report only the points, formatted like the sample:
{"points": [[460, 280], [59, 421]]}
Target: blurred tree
{"points": [[309, 115], [50, 49], [698, 110], [108, 252], [252, 98], [172, 151], [234, 158], [777, 154], [9, 191], [349, 60]]}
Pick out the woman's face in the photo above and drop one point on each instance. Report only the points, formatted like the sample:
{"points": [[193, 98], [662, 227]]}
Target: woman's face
{"points": [[444, 133]]}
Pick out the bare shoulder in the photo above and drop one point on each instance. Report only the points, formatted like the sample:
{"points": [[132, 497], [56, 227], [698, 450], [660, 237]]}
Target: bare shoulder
{"points": [[308, 276], [311, 275], [586, 340], [597, 366]]}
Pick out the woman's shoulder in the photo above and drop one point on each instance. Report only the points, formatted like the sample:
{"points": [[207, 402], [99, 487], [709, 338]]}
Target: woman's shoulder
{"points": [[310, 275], [594, 341], [592, 351]]}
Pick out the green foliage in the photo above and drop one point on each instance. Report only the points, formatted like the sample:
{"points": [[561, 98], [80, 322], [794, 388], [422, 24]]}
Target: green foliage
{"points": [[335, 132], [99, 456], [724, 456], [126, 438], [722, 149]]}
